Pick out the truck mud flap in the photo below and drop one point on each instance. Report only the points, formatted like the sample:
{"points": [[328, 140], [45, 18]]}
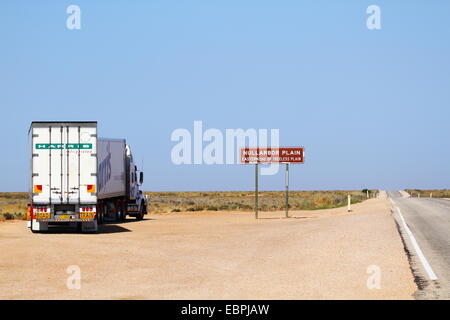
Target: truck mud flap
{"points": [[89, 227], [38, 226]]}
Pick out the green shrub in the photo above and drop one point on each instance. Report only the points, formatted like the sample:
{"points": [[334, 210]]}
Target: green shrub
{"points": [[194, 209], [8, 216], [245, 206]]}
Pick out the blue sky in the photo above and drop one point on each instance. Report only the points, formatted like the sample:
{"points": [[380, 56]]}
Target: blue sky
{"points": [[371, 107]]}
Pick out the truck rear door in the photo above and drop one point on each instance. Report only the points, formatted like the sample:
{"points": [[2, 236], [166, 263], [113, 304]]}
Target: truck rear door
{"points": [[64, 163]]}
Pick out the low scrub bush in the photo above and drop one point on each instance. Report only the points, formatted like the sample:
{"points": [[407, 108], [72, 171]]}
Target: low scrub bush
{"points": [[245, 200]]}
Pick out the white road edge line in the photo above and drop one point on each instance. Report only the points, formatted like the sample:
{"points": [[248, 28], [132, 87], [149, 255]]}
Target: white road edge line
{"points": [[426, 265]]}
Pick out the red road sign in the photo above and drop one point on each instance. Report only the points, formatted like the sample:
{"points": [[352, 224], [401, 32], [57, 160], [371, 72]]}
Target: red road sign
{"points": [[272, 155]]}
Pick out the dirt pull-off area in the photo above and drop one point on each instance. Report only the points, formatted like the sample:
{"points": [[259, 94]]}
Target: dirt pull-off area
{"points": [[325, 254]]}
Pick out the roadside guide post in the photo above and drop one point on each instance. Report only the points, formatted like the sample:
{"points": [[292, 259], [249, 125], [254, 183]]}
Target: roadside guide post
{"points": [[268, 155], [349, 201]]}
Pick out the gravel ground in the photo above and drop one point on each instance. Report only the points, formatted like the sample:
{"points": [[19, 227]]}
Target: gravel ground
{"points": [[323, 254]]}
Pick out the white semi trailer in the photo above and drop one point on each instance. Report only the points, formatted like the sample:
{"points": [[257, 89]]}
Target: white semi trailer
{"points": [[79, 179]]}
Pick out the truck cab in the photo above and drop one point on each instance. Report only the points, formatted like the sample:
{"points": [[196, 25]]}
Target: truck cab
{"points": [[137, 203], [119, 181]]}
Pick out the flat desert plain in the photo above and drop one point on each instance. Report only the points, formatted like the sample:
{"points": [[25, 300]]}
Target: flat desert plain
{"points": [[318, 254]]}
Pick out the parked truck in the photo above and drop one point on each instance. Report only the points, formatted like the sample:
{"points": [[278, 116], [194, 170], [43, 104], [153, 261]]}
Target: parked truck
{"points": [[80, 179]]}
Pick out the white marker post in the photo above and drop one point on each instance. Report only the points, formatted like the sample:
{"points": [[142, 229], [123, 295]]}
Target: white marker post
{"points": [[349, 201], [431, 194]]}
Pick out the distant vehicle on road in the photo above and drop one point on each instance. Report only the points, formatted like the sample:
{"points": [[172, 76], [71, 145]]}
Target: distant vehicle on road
{"points": [[79, 179]]}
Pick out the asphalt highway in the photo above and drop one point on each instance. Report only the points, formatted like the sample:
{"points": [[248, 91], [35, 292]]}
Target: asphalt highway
{"points": [[428, 220]]}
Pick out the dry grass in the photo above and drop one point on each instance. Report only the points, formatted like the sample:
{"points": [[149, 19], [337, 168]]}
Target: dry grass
{"points": [[161, 202], [13, 205], [443, 193]]}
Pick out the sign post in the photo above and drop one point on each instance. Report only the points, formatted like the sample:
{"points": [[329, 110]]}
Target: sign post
{"points": [[287, 189], [269, 155], [256, 190]]}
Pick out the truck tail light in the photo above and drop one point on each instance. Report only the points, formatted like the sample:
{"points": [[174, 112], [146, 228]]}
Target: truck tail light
{"points": [[38, 188], [30, 214], [91, 188]]}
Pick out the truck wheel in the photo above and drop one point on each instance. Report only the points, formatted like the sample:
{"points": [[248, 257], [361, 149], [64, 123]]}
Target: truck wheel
{"points": [[99, 218], [120, 216], [140, 215]]}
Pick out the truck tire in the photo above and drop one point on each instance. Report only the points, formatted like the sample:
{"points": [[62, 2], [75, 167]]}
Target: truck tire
{"points": [[99, 218], [121, 216], [140, 215]]}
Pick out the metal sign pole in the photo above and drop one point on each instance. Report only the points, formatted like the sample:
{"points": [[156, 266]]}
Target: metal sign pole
{"points": [[256, 191], [287, 189]]}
